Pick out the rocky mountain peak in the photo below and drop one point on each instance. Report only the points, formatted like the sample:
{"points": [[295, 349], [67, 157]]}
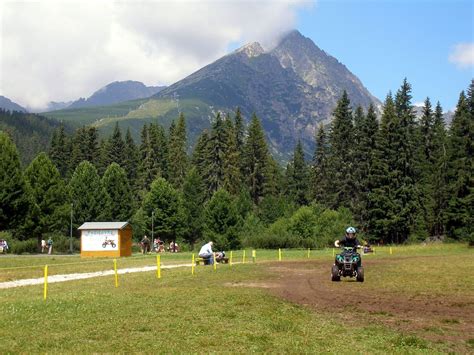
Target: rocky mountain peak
{"points": [[253, 49]]}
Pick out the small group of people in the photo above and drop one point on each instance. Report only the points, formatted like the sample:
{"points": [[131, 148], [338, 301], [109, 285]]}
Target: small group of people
{"points": [[158, 246], [3, 246], [47, 245]]}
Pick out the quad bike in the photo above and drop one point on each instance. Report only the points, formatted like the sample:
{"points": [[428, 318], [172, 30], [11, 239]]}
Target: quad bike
{"points": [[107, 242], [347, 263]]}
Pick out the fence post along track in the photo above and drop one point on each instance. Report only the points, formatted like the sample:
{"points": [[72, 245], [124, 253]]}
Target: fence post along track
{"points": [[45, 288]]}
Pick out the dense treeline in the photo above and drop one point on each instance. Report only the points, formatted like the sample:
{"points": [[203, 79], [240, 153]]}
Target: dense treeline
{"points": [[397, 178], [30, 132]]}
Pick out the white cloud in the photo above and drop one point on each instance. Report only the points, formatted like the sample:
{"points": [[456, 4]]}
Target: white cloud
{"points": [[463, 55], [62, 50]]}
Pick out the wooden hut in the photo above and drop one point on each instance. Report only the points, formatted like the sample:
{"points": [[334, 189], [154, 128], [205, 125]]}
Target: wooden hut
{"points": [[99, 239]]}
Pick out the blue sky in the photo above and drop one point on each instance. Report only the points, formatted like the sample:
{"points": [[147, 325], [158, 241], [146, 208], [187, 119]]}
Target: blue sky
{"points": [[382, 42]]}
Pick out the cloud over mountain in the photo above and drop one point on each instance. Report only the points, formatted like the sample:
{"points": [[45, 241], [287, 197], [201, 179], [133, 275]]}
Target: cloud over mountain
{"points": [[55, 50]]}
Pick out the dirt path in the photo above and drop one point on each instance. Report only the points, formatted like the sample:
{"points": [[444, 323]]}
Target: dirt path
{"points": [[80, 276], [308, 283]]}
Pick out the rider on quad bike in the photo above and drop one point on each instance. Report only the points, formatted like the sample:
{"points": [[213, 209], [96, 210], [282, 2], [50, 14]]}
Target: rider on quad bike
{"points": [[349, 240], [348, 263]]}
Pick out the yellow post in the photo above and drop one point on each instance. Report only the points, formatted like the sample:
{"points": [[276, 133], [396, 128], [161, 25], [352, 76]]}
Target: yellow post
{"points": [[230, 259], [254, 255], [243, 258], [192, 265], [116, 275], [333, 252], [308, 252], [279, 254], [374, 251], [215, 262], [390, 250], [45, 291], [158, 266]]}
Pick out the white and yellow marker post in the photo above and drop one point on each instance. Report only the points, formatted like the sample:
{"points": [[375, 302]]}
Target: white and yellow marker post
{"points": [[158, 266], [279, 254], [115, 271], [193, 264]]}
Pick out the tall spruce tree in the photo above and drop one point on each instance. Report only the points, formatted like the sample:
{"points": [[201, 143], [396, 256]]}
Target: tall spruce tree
{"points": [[298, 181], [364, 158], [320, 181], [232, 176], [459, 216], [255, 159], [14, 194], [60, 151], [199, 157], [341, 140], [87, 195], [380, 203], [116, 147], [50, 207], [130, 163], [177, 157], [439, 172], [119, 199], [216, 149]]}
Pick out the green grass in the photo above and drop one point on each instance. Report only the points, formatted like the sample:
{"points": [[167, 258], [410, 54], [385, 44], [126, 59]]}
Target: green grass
{"points": [[88, 115], [201, 313]]}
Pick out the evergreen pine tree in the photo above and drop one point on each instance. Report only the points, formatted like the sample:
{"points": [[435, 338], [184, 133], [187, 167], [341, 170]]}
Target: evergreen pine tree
{"points": [[14, 194], [177, 158], [50, 209], [87, 195], [255, 159], [60, 151], [119, 195], [199, 157], [216, 149], [116, 147], [341, 140], [364, 158], [320, 182], [232, 177], [439, 170], [459, 216], [298, 182], [130, 163]]}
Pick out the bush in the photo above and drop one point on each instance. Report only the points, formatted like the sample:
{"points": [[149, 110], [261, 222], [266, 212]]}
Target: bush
{"points": [[29, 246]]}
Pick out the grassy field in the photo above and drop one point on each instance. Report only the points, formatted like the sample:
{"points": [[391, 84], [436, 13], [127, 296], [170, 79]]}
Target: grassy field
{"points": [[223, 310]]}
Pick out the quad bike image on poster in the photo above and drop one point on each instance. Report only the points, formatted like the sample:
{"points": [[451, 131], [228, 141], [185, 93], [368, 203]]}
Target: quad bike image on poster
{"points": [[110, 242]]}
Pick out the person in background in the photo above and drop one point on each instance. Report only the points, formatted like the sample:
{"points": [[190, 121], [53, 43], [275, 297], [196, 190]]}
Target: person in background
{"points": [[43, 245], [145, 244], [49, 243], [207, 254]]}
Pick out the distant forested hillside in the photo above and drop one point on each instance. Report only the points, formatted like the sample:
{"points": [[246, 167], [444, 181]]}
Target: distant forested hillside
{"points": [[31, 133]]}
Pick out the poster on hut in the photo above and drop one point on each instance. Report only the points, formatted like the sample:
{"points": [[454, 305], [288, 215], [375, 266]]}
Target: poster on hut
{"points": [[99, 240]]}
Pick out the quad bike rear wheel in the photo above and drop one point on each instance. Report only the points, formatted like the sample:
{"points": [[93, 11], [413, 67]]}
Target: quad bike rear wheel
{"points": [[335, 273], [360, 274]]}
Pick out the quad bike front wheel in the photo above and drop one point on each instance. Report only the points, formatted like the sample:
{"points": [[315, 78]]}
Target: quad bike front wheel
{"points": [[335, 273], [360, 274]]}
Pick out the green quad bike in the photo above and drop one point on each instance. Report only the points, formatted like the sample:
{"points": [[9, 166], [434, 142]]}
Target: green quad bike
{"points": [[347, 264]]}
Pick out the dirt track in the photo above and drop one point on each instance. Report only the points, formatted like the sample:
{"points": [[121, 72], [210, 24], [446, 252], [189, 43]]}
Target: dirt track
{"points": [[308, 283]]}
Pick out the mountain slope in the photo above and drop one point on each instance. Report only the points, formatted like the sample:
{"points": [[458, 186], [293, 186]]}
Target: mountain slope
{"points": [[291, 88], [115, 92], [9, 105]]}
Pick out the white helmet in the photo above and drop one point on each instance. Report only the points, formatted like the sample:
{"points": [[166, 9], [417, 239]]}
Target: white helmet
{"points": [[350, 232]]}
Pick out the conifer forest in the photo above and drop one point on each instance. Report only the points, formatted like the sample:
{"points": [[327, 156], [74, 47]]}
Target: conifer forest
{"points": [[396, 177]]}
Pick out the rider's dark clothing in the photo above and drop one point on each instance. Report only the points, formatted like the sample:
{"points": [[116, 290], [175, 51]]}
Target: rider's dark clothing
{"points": [[346, 242]]}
